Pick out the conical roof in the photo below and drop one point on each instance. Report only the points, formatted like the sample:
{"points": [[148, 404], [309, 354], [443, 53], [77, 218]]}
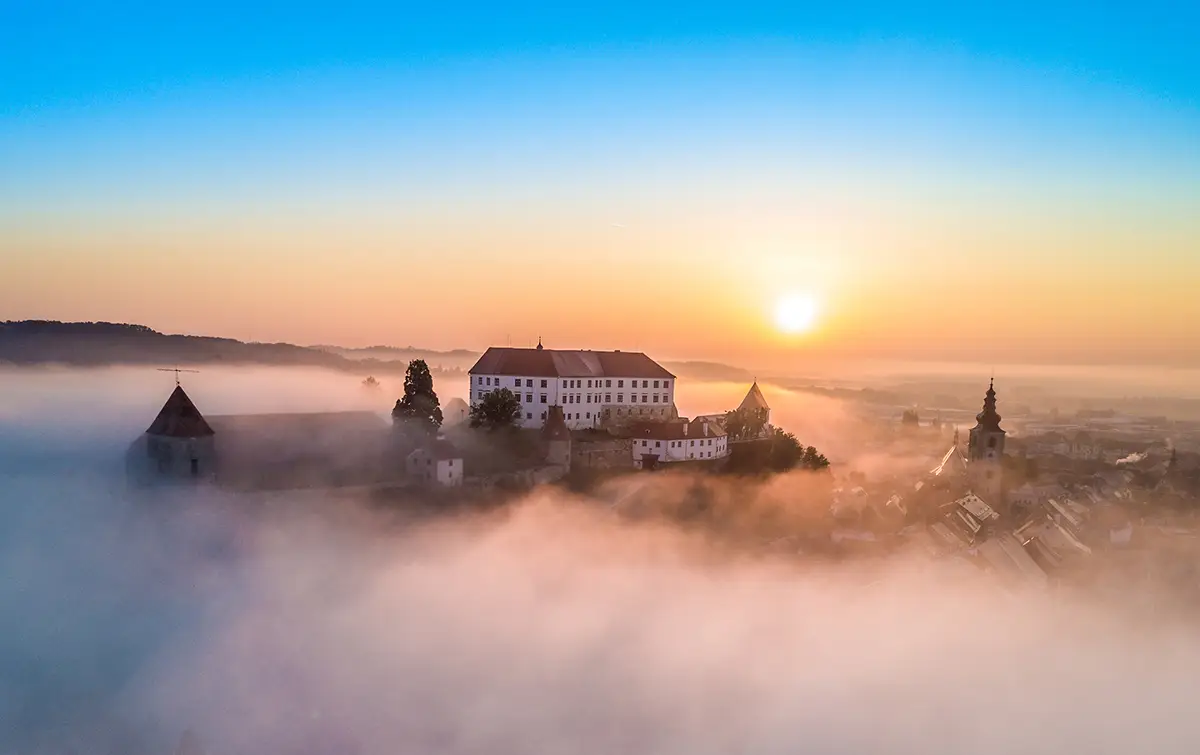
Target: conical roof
{"points": [[179, 418], [555, 427], [754, 399]]}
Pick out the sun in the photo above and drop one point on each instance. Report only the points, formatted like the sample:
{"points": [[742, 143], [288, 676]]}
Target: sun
{"points": [[796, 313]]}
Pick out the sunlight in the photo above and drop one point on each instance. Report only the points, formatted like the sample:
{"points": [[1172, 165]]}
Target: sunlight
{"points": [[796, 313]]}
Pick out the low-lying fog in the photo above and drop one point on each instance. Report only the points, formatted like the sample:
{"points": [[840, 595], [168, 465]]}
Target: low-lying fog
{"points": [[317, 626]]}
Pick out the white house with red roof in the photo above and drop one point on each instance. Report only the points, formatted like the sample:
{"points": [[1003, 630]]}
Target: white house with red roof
{"points": [[658, 443], [591, 387]]}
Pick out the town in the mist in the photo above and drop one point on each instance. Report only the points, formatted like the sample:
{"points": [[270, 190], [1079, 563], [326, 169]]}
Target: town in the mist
{"points": [[202, 503], [599, 378]]}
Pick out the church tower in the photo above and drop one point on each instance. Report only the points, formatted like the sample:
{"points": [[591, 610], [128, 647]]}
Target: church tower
{"points": [[985, 450]]}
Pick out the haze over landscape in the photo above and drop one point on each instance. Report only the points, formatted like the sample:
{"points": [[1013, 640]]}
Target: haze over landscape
{"points": [[380, 378]]}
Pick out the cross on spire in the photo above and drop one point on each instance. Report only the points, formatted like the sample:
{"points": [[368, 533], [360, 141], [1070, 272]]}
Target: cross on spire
{"points": [[176, 370]]}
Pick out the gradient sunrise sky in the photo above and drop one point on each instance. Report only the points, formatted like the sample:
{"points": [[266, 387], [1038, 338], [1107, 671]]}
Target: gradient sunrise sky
{"points": [[1016, 181]]}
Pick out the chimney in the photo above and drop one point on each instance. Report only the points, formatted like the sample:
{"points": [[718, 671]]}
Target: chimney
{"points": [[706, 428], [685, 429]]}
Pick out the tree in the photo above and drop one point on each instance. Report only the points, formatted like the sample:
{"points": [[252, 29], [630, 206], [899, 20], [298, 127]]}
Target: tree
{"points": [[813, 460], [741, 424], [497, 409], [785, 452], [419, 408], [910, 417], [789, 453]]}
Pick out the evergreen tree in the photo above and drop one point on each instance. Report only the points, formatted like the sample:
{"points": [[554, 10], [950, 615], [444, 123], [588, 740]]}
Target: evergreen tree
{"points": [[419, 408]]}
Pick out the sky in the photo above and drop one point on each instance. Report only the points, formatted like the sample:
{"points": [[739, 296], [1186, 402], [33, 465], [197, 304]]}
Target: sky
{"points": [[988, 182]]}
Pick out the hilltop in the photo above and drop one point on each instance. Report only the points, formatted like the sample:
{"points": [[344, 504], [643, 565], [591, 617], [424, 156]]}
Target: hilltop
{"points": [[104, 344]]}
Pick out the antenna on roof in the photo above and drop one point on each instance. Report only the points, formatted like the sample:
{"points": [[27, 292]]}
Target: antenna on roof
{"points": [[176, 370]]}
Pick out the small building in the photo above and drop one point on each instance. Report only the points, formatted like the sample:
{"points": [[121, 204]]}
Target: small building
{"points": [[436, 463], [659, 443], [455, 412], [178, 447]]}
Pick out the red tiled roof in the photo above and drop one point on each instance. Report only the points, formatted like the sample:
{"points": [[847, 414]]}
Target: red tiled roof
{"points": [[563, 363], [440, 449], [179, 418], [678, 430]]}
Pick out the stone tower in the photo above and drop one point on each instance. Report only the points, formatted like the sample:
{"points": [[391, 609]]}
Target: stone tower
{"points": [[179, 446], [557, 438], [985, 450]]}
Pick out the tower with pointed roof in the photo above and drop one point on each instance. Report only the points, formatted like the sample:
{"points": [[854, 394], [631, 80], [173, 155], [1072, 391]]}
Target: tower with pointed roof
{"points": [[755, 401], [985, 450], [178, 446]]}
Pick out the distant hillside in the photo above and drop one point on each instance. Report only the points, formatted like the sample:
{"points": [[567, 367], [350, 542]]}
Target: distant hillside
{"points": [[711, 371], [461, 359], [100, 344]]}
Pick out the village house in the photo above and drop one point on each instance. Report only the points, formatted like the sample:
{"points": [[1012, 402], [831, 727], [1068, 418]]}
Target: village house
{"points": [[436, 463], [660, 443], [593, 388]]}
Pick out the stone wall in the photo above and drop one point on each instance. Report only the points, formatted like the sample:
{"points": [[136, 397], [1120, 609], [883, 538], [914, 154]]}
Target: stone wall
{"points": [[601, 453]]}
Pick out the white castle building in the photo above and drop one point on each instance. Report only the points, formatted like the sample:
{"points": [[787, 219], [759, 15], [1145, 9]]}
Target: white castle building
{"points": [[592, 387]]}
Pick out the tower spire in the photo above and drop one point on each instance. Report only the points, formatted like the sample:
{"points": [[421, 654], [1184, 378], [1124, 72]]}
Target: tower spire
{"points": [[539, 346]]}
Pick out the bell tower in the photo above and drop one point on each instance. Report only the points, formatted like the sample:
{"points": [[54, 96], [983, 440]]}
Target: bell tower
{"points": [[985, 450]]}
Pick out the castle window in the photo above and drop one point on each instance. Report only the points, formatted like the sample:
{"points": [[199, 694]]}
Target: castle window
{"points": [[645, 383], [620, 383], [195, 467], [529, 398], [620, 398], [528, 415], [543, 383], [528, 382], [655, 383], [608, 384], [543, 398]]}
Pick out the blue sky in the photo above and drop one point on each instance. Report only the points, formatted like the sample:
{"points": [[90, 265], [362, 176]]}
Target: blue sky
{"points": [[61, 53], [1026, 137]]}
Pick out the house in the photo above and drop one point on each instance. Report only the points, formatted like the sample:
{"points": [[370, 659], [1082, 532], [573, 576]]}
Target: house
{"points": [[261, 451], [593, 388], [436, 463], [658, 443], [292, 450]]}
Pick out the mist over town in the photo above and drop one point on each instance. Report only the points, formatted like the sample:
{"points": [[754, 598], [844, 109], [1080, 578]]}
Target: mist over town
{"points": [[603, 378]]}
